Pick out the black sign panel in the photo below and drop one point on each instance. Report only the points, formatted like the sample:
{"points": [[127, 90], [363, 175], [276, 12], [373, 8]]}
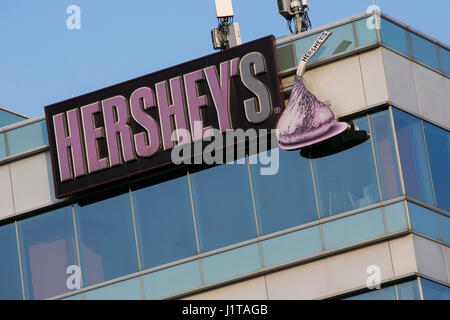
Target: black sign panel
{"points": [[130, 128]]}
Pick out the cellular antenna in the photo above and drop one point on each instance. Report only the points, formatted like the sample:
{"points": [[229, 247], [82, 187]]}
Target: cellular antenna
{"points": [[296, 10], [227, 34]]}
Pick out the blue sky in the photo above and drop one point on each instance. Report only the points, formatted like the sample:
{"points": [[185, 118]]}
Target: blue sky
{"points": [[43, 62]]}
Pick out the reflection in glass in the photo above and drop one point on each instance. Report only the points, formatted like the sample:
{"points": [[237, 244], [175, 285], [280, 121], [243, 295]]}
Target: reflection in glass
{"points": [[445, 60], [285, 199], [444, 223], [438, 147], [395, 215], [291, 246], [10, 283], [285, 57], [124, 290], [2, 146], [423, 220], [27, 137], [172, 280], [353, 229], [106, 239], [434, 291], [387, 293], [340, 41], [164, 222], [48, 248], [230, 264], [394, 36], [408, 291], [424, 50], [7, 118], [364, 34], [384, 146], [413, 157], [347, 180], [223, 206]]}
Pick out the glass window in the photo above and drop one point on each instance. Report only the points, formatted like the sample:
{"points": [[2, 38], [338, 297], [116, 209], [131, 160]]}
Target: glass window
{"points": [[341, 40], [285, 56], [223, 206], [383, 142], [291, 246], [11, 284], [352, 229], [106, 239], [387, 293], [27, 138], [347, 180], [444, 223], [434, 291], [395, 215], [413, 157], [164, 222], [2, 146], [408, 291], [394, 36], [365, 34], [438, 147], [75, 297], [47, 248], [172, 280], [7, 118], [285, 199], [231, 264], [423, 220], [425, 51], [124, 290], [445, 60]]}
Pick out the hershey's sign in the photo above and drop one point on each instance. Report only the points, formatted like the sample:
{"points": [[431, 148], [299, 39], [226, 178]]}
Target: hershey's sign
{"points": [[130, 128]]}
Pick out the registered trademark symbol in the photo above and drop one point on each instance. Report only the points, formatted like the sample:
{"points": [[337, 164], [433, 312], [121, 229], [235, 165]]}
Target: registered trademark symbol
{"points": [[277, 110]]}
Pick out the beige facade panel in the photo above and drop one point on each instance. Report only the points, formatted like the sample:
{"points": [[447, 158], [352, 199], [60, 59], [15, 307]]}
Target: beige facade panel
{"points": [[403, 256], [374, 77], [31, 182], [6, 198], [430, 258]]}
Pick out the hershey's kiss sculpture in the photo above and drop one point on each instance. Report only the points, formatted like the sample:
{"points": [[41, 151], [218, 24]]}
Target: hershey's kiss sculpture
{"points": [[306, 120]]}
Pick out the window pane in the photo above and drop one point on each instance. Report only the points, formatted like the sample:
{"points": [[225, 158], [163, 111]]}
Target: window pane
{"points": [[413, 156], [438, 147], [381, 294], [434, 291], [106, 239], [444, 223], [75, 297], [384, 146], [223, 206], [425, 51], [164, 222], [395, 215], [347, 180], [408, 291], [7, 118], [231, 264], [423, 220], [291, 246], [394, 36], [48, 248], [11, 286], [365, 34], [445, 60], [285, 199], [341, 40], [285, 57], [172, 280], [27, 138], [2, 146], [125, 290], [356, 228]]}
